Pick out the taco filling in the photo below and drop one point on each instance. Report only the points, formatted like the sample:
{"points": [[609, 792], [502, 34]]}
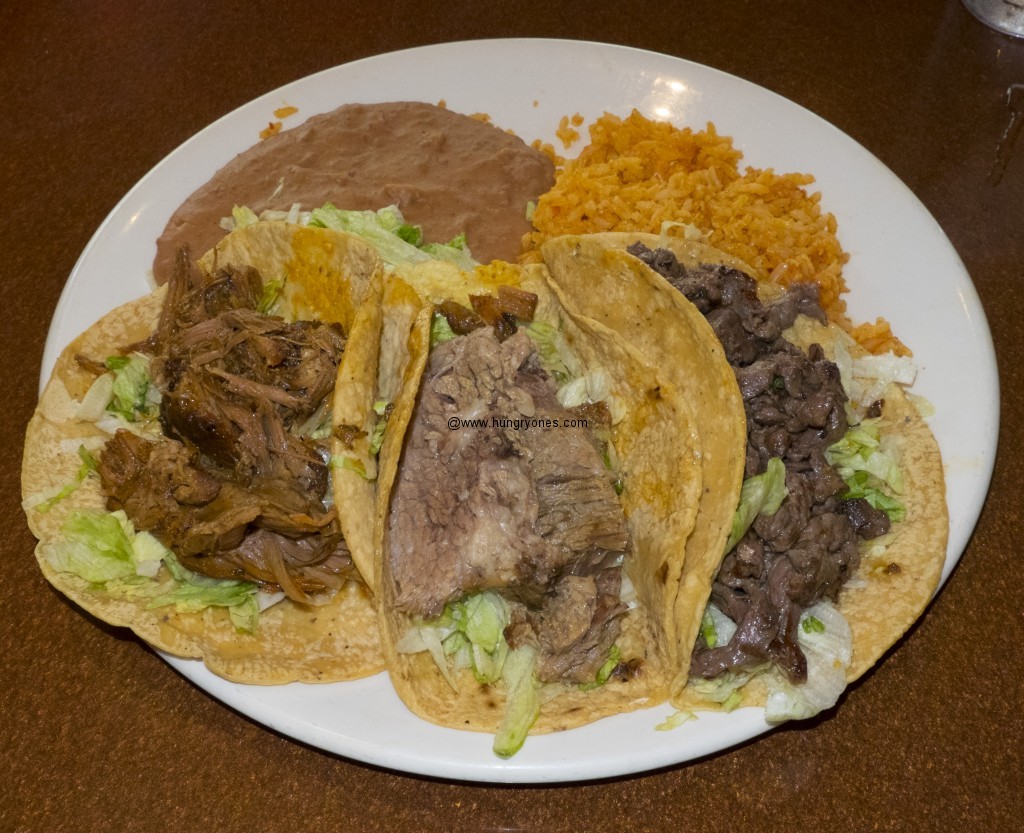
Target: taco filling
{"points": [[515, 499], [797, 535], [237, 486]]}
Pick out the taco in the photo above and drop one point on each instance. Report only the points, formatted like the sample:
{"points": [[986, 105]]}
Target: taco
{"points": [[839, 529], [530, 541], [177, 468]]}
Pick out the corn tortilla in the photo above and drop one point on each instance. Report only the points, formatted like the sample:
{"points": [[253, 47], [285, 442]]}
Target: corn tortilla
{"points": [[335, 641], [898, 574], [658, 450]]}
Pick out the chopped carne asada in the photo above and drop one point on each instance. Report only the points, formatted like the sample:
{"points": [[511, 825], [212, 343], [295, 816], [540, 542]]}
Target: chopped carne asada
{"points": [[795, 409], [234, 488]]}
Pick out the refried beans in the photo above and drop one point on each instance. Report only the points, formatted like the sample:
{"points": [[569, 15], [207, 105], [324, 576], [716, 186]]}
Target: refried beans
{"points": [[448, 173]]}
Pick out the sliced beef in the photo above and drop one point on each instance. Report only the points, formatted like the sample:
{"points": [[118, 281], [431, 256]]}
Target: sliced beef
{"points": [[463, 506], [577, 626], [795, 409], [232, 488], [530, 512], [578, 511]]}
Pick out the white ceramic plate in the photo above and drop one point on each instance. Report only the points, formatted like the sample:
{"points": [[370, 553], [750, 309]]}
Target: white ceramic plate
{"points": [[902, 267]]}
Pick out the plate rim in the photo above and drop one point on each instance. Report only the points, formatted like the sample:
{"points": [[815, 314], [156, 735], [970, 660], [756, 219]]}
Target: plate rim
{"points": [[511, 772]]}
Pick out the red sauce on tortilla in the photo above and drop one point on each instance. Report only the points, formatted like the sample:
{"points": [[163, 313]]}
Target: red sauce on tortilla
{"points": [[447, 172]]}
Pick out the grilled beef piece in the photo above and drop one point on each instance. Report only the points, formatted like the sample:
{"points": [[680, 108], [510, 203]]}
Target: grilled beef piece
{"points": [[530, 512], [795, 409], [232, 488], [578, 626]]}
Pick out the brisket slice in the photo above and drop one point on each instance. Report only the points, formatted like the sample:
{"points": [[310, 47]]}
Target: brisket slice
{"points": [[795, 409], [529, 512], [233, 489]]}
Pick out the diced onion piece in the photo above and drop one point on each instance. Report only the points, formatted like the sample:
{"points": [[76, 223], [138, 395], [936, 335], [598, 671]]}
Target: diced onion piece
{"points": [[94, 403]]}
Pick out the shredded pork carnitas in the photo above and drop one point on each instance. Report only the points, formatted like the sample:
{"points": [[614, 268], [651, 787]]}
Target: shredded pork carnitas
{"points": [[232, 488]]}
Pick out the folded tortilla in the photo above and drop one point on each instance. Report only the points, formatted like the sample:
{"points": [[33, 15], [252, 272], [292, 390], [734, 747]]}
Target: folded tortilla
{"points": [[895, 581], [659, 457], [607, 284]]}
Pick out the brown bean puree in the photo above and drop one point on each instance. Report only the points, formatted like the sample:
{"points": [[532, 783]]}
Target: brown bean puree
{"points": [[447, 172]]}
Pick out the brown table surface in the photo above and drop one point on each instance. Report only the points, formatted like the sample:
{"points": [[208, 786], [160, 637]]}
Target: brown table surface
{"points": [[97, 733]]}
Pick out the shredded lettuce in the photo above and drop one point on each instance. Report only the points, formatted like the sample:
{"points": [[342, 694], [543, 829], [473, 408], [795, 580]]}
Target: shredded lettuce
{"points": [[825, 638], [708, 631], [429, 638], [243, 216], [554, 353], [96, 546], [270, 297], [88, 466], [812, 624], [479, 634], [379, 427], [861, 449], [123, 394], [104, 549], [455, 251], [859, 485], [725, 688], [94, 404], [590, 387], [865, 378], [595, 385], [761, 494], [605, 671], [132, 398], [470, 633], [440, 330], [318, 426], [733, 701], [382, 228], [193, 592], [353, 464], [245, 614], [675, 720], [131, 382], [716, 627], [396, 240], [869, 470], [578, 386], [522, 701], [147, 554], [482, 617]]}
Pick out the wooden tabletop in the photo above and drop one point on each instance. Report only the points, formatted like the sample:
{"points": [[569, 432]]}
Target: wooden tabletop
{"points": [[98, 733]]}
